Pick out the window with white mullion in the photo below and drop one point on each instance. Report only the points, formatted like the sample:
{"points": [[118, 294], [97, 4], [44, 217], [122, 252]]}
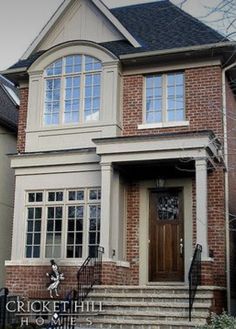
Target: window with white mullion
{"points": [[164, 95], [75, 230], [54, 232], [92, 96], [72, 90], [175, 97], [154, 99], [52, 101], [33, 232]]}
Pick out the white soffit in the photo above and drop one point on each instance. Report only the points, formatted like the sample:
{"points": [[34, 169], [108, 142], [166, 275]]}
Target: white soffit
{"points": [[99, 5]]}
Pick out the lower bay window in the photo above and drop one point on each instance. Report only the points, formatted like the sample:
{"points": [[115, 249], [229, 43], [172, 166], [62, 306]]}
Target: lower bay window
{"points": [[62, 223]]}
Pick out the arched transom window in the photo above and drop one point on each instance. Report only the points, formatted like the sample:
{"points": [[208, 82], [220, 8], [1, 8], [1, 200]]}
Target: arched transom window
{"points": [[72, 90]]}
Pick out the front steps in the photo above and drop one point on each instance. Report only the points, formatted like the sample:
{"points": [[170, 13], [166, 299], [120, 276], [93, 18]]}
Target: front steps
{"points": [[147, 307]]}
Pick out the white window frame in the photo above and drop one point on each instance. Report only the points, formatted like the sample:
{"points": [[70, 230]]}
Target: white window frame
{"points": [[65, 204], [62, 78], [164, 123]]}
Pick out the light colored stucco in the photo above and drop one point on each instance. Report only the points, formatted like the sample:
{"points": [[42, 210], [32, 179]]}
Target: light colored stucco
{"points": [[81, 21], [7, 145]]}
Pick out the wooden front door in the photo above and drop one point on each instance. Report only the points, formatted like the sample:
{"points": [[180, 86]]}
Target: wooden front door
{"points": [[166, 235]]}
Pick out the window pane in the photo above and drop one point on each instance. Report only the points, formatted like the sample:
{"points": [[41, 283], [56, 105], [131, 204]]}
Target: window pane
{"points": [[72, 99], [92, 97], [154, 93], [55, 68], [92, 64], [73, 64], [75, 230], [52, 101], [33, 233], [175, 97]]}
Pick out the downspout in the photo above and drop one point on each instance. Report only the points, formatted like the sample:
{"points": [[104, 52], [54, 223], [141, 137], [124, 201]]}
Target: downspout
{"points": [[226, 183]]}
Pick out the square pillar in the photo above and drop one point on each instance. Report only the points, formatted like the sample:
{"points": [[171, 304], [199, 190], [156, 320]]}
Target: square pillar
{"points": [[201, 205], [106, 200]]}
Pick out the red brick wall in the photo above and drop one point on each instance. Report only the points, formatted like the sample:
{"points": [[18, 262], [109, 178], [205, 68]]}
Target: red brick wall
{"points": [[133, 232], [32, 282], [24, 92], [203, 97], [216, 224], [231, 128]]}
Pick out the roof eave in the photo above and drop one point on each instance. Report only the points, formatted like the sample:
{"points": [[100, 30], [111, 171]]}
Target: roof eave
{"points": [[15, 75], [174, 51]]}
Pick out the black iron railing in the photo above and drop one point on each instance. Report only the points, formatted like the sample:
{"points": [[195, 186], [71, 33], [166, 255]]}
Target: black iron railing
{"points": [[90, 273], [194, 276], [3, 311]]}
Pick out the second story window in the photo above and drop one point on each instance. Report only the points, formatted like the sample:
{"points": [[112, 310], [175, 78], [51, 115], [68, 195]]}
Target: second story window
{"points": [[165, 98], [72, 90]]}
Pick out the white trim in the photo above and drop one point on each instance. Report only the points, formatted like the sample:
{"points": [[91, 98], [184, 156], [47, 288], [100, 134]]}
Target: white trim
{"points": [[163, 124], [177, 50], [45, 29], [68, 262], [156, 68], [104, 10]]}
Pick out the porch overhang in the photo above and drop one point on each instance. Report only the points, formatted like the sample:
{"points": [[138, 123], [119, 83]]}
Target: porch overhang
{"points": [[193, 145]]}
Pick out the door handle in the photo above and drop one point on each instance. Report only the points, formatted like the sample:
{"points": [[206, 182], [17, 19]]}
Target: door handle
{"points": [[181, 246]]}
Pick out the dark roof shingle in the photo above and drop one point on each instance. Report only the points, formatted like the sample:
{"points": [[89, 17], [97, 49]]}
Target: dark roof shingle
{"points": [[8, 107], [156, 25]]}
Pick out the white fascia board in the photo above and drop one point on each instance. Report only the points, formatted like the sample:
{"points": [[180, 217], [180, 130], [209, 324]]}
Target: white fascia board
{"points": [[116, 23], [126, 145], [154, 155], [45, 29], [53, 159], [178, 50]]}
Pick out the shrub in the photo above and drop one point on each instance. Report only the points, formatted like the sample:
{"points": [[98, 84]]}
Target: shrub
{"points": [[222, 321]]}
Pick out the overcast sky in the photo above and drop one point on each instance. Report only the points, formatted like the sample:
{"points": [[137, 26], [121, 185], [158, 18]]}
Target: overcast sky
{"points": [[22, 20]]}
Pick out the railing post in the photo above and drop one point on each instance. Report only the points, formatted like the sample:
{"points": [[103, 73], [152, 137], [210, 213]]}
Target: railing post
{"points": [[194, 276]]}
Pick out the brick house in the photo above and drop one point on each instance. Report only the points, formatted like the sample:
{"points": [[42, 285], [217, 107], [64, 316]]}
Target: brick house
{"points": [[127, 117]]}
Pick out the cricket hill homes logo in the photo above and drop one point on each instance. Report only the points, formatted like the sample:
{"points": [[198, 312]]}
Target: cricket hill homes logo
{"points": [[54, 312]]}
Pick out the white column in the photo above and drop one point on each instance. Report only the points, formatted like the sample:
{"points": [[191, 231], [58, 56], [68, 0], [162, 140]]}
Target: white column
{"points": [[106, 199], [201, 205]]}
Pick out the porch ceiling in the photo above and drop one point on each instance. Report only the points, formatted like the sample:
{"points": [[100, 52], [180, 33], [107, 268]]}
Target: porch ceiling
{"points": [[143, 170]]}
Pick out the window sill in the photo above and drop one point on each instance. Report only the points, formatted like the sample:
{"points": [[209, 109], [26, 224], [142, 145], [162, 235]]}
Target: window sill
{"points": [[163, 125]]}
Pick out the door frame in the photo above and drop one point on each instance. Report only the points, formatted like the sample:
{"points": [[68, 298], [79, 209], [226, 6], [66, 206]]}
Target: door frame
{"points": [[179, 191], [145, 186]]}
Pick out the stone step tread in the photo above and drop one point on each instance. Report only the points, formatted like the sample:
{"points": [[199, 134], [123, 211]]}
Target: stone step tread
{"points": [[144, 295], [156, 304], [193, 323], [161, 287], [153, 313]]}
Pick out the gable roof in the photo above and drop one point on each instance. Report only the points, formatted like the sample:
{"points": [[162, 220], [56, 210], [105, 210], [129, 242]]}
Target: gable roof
{"points": [[157, 26], [8, 106], [61, 9]]}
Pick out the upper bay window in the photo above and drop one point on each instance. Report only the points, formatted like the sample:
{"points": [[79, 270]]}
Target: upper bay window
{"points": [[165, 98], [72, 90]]}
